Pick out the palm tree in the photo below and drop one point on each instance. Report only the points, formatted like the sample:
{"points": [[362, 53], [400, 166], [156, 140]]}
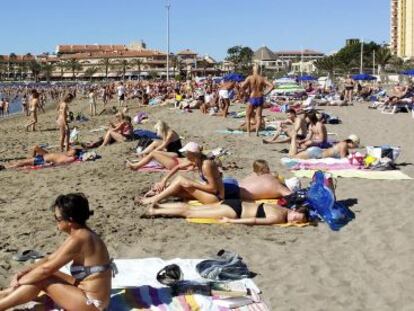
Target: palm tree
{"points": [[35, 68], [74, 66], [123, 64], [106, 63], [137, 63], [383, 57], [397, 63], [203, 64], [47, 69], [90, 72], [62, 66], [177, 64], [11, 63], [327, 64]]}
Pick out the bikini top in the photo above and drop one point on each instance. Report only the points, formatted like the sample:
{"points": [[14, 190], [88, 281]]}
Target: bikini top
{"points": [[82, 272]]}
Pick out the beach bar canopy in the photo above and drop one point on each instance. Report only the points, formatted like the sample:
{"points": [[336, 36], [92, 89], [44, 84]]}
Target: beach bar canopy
{"points": [[307, 78], [236, 77], [409, 72], [363, 77]]}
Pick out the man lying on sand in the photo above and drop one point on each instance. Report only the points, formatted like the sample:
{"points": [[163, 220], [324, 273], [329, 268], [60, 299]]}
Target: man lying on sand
{"points": [[232, 211], [40, 156]]}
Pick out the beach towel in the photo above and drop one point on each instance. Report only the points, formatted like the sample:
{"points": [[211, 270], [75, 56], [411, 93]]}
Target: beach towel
{"points": [[365, 174], [268, 132], [135, 287], [327, 164]]}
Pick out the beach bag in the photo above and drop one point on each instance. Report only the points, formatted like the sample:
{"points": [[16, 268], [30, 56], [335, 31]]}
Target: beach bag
{"points": [[356, 159], [384, 151], [226, 266], [74, 136], [322, 204], [328, 180]]}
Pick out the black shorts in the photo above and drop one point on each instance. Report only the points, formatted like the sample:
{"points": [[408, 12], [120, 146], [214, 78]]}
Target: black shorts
{"points": [[122, 97]]}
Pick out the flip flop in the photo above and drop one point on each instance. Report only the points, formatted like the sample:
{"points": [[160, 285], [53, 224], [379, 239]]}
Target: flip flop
{"points": [[27, 254]]}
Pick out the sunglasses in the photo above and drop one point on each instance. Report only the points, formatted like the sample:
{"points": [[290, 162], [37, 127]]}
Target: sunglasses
{"points": [[59, 219]]}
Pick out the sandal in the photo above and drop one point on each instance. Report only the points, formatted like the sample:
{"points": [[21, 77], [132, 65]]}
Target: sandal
{"points": [[27, 254]]}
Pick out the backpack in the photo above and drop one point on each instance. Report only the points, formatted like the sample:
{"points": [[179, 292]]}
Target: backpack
{"points": [[322, 204]]}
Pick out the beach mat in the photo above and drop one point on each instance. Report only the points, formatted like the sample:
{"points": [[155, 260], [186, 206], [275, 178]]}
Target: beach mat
{"points": [[135, 287], [365, 174], [327, 164]]}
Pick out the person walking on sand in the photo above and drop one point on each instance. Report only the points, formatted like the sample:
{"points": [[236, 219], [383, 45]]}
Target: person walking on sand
{"points": [[62, 122], [33, 107], [121, 94], [256, 84], [224, 96]]}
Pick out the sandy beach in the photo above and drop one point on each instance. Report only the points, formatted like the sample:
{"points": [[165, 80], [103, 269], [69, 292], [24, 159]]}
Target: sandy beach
{"points": [[368, 265]]}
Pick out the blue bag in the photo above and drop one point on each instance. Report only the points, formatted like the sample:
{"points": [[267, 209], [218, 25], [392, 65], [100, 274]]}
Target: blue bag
{"points": [[322, 203]]}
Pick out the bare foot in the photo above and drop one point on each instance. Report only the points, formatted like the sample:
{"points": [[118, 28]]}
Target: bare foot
{"points": [[143, 200]]}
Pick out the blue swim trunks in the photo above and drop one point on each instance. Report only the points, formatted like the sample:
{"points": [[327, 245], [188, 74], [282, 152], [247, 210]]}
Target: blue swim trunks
{"points": [[38, 160], [256, 101], [314, 153]]}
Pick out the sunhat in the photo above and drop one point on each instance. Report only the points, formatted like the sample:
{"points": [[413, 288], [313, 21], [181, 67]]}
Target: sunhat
{"points": [[191, 147]]}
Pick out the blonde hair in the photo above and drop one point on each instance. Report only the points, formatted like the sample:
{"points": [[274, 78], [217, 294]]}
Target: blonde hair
{"points": [[261, 167], [162, 128]]}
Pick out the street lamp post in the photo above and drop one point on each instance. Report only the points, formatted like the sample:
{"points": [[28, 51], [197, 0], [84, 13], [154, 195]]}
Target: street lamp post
{"points": [[168, 39]]}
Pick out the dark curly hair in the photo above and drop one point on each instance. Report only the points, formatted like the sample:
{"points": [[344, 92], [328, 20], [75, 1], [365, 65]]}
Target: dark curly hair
{"points": [[74, 207]]}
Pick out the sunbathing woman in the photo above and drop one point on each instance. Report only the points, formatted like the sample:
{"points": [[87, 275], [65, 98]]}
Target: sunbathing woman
{"points": [[232, 211], [338, 151], [87, 289], [122, 132], [209, 190], [262, 184], [166, 151], [40, 156]]}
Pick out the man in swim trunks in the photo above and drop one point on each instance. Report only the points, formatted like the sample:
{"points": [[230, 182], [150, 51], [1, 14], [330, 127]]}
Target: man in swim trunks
{"points": [[257, 89], [224, 96], [41, 156], [317, 135]]}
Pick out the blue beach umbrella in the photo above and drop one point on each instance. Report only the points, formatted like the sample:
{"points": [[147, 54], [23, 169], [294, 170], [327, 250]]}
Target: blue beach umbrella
{"points": [[363, 77], [307, 78], [409, 72], [236, 77]]}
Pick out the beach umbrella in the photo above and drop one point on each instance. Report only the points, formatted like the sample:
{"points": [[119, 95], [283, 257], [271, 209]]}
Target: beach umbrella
{"points": [[236, 77], [307, 78], [363, 77], [409, 72]]}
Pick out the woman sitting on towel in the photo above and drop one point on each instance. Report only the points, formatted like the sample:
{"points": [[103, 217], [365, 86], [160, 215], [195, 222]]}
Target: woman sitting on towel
{"points": [[209, 190], [88, 287], [122, 132], [338, 151], [165, 151], [262, 184], [232, 211]]}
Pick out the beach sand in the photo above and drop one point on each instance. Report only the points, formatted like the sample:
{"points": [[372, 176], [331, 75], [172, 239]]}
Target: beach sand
{"points": [[368, 265]]}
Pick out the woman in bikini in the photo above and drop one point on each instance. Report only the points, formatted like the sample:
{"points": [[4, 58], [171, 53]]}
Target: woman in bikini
{"points": [[232, 211], [62, 121], [209, 190], [165, 151], [85, 289], [122, 132], [33, 106], [338, 151]]}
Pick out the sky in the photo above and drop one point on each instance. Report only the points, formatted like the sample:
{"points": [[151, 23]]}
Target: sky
{"points": [[208, 27]]}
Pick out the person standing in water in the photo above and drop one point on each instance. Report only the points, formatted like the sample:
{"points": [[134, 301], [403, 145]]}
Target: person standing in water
{"points": [[256, 84]]}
